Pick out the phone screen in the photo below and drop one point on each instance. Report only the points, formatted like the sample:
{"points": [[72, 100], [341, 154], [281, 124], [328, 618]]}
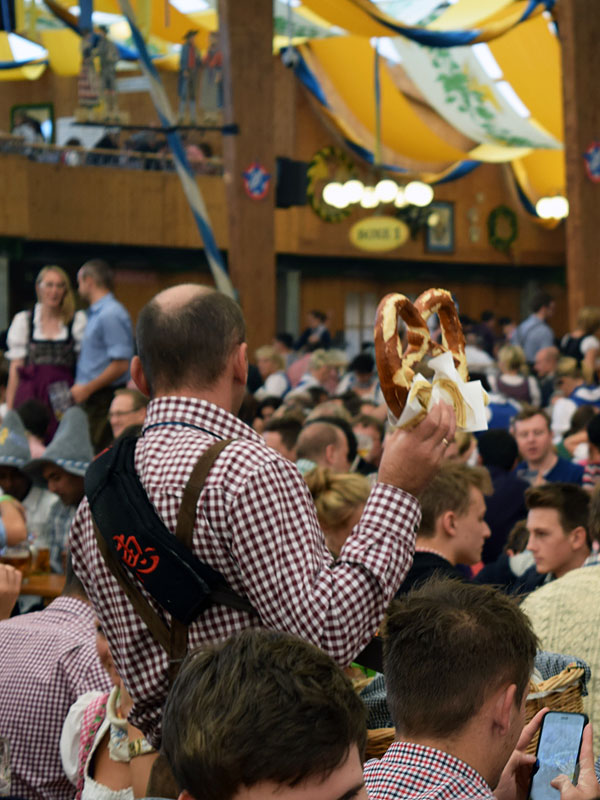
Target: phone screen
{"points": [[558, 752]]}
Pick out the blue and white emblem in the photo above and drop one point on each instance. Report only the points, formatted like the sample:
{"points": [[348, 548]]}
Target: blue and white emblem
{"points": [[592, 161], [256, 181]]}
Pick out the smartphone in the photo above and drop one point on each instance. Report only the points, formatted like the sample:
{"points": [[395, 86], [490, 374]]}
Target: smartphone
{"points": [[558, 751]]}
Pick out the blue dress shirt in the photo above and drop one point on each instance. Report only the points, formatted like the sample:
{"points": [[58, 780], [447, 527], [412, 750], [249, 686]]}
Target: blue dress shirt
{"points": [[108, 337]]}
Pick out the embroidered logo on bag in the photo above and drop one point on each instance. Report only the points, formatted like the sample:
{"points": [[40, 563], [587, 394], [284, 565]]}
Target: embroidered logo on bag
{"points": [[143, 562]]}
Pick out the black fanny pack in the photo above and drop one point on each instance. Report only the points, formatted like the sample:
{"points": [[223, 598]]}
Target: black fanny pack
{"points": [[134, 539]]}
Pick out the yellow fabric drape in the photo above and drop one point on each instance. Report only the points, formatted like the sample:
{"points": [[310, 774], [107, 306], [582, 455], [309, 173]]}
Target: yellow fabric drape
{"points": [[64, 54], [348, 63]]}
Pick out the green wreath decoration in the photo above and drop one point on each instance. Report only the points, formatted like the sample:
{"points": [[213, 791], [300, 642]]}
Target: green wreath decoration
{"points": [[326, 165], [502, 243]]}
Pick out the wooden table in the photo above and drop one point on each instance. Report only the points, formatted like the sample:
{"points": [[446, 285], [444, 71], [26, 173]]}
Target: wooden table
{"points": [[48, 586]]}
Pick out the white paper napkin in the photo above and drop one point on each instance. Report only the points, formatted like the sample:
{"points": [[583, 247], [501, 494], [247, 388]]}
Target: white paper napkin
{"points": [[446, 383]]}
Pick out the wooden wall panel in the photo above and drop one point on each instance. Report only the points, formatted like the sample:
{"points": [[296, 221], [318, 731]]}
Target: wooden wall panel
{"points": [[329, 295]]}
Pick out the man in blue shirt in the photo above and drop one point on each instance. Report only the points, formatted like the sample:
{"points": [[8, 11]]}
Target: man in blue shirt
{"points": [[540, 463], [106, 349], [534, 333]]}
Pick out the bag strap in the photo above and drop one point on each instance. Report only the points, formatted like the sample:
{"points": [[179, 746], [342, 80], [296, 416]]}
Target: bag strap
{"points": [[173, 639]]}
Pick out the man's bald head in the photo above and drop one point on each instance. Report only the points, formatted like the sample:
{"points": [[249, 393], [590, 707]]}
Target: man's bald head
{"points": [[185, 336]]}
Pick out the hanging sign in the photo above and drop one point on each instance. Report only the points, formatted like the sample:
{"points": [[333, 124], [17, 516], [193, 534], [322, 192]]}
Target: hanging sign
{"points": [[256, 181], [378, 234], [592, 161]]}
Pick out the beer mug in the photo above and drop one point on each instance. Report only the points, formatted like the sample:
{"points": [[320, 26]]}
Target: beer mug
{"points": [[18, 556]]}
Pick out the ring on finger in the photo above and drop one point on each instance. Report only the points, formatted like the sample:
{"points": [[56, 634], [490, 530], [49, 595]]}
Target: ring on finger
{"points": [[445, 442]]}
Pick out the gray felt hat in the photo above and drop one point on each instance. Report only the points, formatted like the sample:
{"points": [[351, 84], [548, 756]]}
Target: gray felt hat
{"points": [[14, 447], [71, 447]]}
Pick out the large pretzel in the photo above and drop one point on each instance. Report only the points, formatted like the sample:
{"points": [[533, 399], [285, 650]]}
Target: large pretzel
{"points": [[395, 366], [440, 302]]}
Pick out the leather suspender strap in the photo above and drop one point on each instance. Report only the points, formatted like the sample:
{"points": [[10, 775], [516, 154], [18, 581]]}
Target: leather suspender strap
{"points": [[155, 624]]}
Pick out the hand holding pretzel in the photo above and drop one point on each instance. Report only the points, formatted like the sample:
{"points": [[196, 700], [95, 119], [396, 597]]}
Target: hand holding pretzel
{"points": [[411, 458]]}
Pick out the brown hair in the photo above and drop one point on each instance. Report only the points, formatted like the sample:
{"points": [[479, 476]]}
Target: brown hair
{"points": [[139, 400], [191, 343], [100, 272], [447, 646], [570, 501], [527, 412], [293, 715], [450, 490], [67, 306]]}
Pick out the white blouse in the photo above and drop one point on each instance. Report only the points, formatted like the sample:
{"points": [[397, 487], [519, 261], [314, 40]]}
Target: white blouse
{"points": [[18, 333], [69, 751]]}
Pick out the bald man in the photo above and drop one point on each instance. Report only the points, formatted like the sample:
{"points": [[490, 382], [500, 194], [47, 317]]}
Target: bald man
{"points": [[255, 521]]}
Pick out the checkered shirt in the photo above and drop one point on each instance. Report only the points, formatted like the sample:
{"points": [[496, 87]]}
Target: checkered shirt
{"points": [[415, 772], [256, 524], [47, 659]]}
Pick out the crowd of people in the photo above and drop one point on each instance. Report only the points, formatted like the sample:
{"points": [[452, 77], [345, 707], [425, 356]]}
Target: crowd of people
{"points": [[245, 537]]}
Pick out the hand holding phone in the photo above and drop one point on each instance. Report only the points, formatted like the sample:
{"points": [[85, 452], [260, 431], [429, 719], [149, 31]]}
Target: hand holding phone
{"points": [[558, 753], [587, 787]]}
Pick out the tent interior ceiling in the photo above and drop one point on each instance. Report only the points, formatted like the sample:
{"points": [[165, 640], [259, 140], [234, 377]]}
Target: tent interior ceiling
{"points": [[336, 39]]}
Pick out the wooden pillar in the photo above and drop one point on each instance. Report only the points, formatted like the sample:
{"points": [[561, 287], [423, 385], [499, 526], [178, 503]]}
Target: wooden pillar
{"points": [[246, 30], [579, 29]]}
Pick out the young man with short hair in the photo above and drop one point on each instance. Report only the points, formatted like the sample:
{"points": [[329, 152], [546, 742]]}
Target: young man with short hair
{"points": [[282, 435], [458, 658], [540, 463], [558, 528], [453, 527], [293, 729]]}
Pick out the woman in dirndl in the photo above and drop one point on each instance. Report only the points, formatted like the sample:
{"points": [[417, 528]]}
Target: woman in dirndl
{"points": [[42, 347]]}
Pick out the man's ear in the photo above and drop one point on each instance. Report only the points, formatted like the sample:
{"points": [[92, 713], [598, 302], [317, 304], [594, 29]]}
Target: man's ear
{"points": [[185, 795], [502, 710], [137, 374], [578, 538], [240, 363], [448, 523], [330, 453]]}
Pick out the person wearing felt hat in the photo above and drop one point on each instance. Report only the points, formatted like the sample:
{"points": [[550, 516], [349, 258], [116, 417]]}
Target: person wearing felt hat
{"points": [[17, 485], [62, 469]]}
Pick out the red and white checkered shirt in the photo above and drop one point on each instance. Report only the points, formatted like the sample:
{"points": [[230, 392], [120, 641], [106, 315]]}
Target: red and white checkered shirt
{"points": [[256, 524], [47, 659], [410, 771]]}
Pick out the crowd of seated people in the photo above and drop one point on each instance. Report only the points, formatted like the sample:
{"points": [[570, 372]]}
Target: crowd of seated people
{"points": [[321, 520]]}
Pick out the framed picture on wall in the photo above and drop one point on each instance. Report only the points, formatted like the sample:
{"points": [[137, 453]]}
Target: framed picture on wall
{"points": [[439, 233]]}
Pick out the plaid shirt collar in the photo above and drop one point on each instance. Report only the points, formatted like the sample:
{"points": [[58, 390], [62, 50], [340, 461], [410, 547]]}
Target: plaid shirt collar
{"points": [[196, 413], [414, 771]]}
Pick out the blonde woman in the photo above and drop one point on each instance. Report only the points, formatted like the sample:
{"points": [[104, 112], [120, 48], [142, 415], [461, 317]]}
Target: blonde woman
{"points": [[339, 499], [43, 344], [513, 381]]}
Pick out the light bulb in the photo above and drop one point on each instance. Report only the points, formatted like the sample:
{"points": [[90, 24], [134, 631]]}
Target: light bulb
{"points": [[369, 198], [544, 208], [561, 207], [334, 195], [400, 200], [418, 193], [353, 189], [386, 191]]}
